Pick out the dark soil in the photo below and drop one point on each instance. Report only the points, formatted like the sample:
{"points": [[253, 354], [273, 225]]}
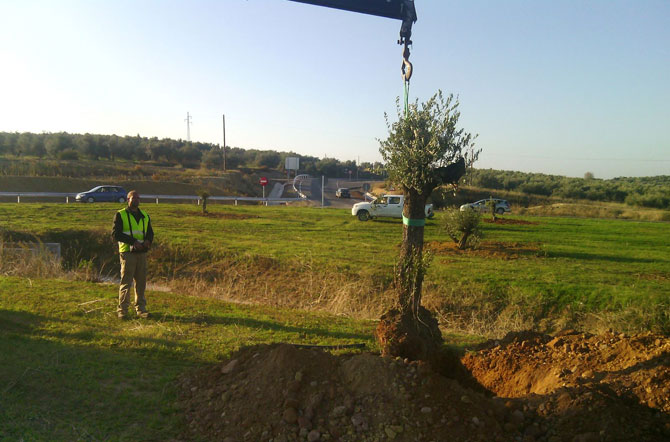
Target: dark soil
{"points": [[573, 387], [500, 220], [488, 249], [223, 215], [401, 335]]}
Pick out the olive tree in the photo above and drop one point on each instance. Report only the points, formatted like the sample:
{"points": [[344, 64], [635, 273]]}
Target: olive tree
{"points": [[203, 194], [463, 227], [425, 149]]}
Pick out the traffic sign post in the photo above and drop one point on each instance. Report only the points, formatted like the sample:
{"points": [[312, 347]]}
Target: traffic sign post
{"points": [[264, 182]]}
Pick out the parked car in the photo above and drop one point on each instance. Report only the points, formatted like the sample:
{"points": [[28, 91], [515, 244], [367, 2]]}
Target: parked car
{"points": [[501, 206], [342, 192], [103, 194], [385, 206]]}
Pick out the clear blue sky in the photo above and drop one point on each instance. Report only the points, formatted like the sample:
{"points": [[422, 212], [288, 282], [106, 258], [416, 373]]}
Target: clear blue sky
{"points": [[560, 87]]}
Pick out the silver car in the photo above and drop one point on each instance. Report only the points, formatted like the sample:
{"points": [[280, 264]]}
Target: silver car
{"points": [[501, 206]]}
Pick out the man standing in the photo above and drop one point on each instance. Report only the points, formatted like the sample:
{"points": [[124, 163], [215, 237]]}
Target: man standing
{"points": [[133, 232]]}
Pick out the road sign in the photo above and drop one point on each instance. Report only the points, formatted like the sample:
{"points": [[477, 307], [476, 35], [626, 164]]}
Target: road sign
{"points": [[263, 181]]}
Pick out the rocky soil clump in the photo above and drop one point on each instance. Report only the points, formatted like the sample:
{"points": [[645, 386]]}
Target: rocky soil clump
{"points": [[572, 387]]}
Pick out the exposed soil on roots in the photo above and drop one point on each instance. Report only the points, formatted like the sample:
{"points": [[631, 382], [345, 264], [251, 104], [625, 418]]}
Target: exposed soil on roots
{"points": [[404, 336], [573, 387]]}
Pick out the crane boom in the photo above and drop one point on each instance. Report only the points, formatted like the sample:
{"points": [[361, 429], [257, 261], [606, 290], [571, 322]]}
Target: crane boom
{"points": [[382, 8], [399, 9]]}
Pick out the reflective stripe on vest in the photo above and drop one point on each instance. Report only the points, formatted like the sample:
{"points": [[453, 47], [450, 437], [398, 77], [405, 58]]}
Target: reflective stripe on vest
{"points": [[131, 227]]}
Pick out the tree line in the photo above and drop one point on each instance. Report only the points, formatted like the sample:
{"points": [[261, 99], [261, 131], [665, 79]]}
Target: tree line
{"points": [[169, 152], [653, 192]]}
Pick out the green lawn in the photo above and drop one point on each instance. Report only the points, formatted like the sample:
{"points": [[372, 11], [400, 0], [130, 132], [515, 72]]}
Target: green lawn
{"points": [[587, 265], [71, 370]]}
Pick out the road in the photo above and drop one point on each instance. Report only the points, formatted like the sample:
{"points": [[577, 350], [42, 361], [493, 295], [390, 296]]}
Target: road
{"points": [[311, 187], [331, 186]]}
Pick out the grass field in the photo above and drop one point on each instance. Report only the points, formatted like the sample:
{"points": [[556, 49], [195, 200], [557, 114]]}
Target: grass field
{"points": [[548, 272], [71, 370]]}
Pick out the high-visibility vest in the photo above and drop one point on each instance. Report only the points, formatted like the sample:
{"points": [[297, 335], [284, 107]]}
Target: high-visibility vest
{"points": [[137, 230]]}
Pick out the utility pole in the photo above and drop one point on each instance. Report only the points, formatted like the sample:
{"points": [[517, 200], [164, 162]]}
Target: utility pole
{"points": [[224, 142], [188, 126]]}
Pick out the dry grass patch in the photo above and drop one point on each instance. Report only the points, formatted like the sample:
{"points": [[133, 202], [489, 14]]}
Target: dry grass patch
{"points": [[302, 288], [28, 260], [654, 276], [471, 310], [598, 210]]}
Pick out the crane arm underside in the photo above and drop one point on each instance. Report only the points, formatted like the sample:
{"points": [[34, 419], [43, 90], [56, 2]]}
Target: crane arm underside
{"points": [[383, 8], [399, 9]]}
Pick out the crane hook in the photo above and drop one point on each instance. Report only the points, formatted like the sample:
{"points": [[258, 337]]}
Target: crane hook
{"points": [[406, 67]]}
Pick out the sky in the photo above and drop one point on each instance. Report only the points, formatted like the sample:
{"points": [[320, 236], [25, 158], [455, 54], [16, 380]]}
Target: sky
{"points": [[560, 87]]}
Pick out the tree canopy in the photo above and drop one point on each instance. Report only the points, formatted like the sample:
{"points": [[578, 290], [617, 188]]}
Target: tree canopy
{"points": [[424, 142]]}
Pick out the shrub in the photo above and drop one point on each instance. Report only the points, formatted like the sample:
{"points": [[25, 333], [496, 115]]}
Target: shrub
{"points": [[68, 154], [213, 159], [203, 194], [463, 227]]}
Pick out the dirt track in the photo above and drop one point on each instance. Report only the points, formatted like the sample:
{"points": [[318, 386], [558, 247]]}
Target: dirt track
{"points": [[527, 387]]}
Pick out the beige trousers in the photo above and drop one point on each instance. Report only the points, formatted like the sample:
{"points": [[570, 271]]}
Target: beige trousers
{"points": [[133, 268]]}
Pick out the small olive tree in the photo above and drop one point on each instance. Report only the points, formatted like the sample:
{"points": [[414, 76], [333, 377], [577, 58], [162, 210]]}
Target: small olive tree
{"points": [[424, 149], [463, 227], [203, 194]]}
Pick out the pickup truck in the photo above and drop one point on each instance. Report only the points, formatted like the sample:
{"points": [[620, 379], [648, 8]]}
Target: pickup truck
{"points": [[385, 206]]}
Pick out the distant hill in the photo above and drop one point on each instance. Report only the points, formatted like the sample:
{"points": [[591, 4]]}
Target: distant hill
{"points": [[140, 159], [64, 147], [653, 192]]}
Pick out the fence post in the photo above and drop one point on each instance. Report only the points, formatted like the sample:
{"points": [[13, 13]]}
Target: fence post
{"points": [[156, 200], [18, 199]]}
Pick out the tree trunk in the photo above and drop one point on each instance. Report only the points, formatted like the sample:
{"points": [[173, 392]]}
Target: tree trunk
{"points": [[463, 242], [410, 271], [411, 331]]}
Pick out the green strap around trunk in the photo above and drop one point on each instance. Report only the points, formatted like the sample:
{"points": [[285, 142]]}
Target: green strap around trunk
{"points": [[413, 222]]}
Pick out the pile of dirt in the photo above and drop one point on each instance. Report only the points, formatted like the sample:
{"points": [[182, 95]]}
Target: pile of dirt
{"points": [[572, 387], [636, 367]]}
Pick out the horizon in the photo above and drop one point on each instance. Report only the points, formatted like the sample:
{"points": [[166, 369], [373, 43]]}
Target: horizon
{"points": [[322, 158], [559, 89]]}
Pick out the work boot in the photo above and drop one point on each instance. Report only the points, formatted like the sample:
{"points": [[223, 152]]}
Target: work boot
{"points": [[143, 315]]}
